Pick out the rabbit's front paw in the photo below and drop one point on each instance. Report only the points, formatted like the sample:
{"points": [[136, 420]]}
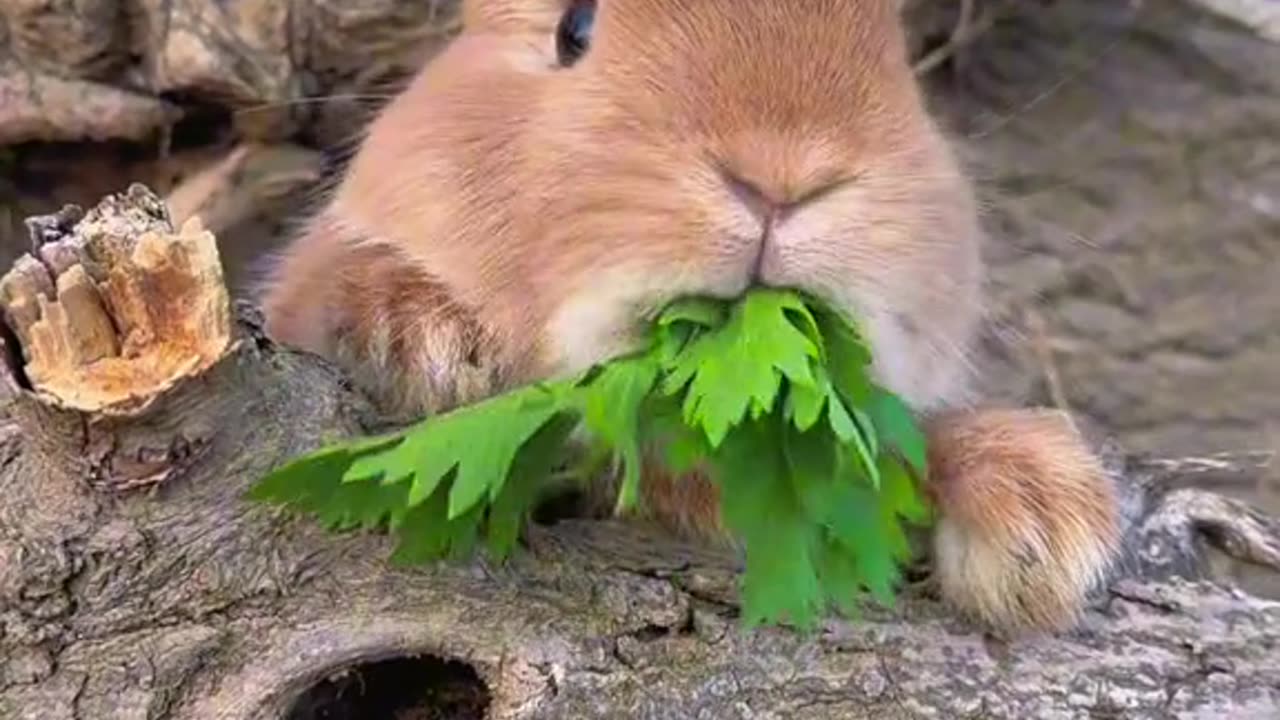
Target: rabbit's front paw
{"points": [[1028, 519]]}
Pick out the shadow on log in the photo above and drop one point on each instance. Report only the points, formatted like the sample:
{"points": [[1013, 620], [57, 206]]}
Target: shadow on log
{"points": [[135, 582]]}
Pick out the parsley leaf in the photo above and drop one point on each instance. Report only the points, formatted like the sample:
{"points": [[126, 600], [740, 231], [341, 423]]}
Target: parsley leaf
{"points": [[760, 505], [772, 394], [610, 408], [891, 416], [519, 495], [739, 368]]}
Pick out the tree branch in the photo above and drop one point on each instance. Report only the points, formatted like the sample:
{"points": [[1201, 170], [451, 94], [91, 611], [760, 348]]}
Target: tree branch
{"points": [[137, 582]]}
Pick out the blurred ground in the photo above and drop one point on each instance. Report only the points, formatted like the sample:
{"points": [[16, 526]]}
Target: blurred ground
{"points": [[1131, 158], [1129, 153]]}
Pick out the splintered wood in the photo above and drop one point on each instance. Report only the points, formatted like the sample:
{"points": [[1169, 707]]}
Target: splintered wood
{"points": [[115, 306]]}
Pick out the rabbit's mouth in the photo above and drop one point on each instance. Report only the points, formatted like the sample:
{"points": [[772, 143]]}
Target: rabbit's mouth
{"points": [[915, 356], [614, 312]]}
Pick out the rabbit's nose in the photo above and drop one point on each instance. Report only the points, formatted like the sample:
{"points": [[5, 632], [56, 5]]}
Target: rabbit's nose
{"points": [[764, 206], [769, 210], [771, 207]]}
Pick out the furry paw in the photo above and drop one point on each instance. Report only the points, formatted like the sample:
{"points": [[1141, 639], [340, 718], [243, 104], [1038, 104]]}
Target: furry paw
{"points": [[1028, 518], [394, 328]]}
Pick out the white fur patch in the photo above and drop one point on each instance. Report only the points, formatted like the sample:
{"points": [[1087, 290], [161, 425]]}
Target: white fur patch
{"points": [[606, 317], [927, 377]]}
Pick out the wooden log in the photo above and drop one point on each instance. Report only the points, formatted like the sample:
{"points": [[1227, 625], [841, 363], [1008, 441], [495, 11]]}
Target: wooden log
{"points": [[136, 581]]}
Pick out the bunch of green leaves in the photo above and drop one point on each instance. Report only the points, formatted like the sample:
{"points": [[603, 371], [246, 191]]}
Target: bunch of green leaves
{"points": [[817, 466]]}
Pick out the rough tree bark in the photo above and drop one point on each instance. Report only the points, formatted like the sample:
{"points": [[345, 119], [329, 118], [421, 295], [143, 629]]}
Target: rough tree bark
{"points": [[135, 582]]}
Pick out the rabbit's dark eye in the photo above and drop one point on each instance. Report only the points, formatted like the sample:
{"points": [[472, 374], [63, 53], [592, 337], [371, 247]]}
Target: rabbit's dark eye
{"points": [[573, 34]]}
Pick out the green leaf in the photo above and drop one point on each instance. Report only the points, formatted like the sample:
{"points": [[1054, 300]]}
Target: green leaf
{"points": [[813, 462], [376, 502], [423, 534], [780, 582], [861, 529], [852, 428], [610, 407], [899, 492], [868, 467], [682, 448], [867, 429], [427, 533], [842, 423], [739, 369], [898, 428], [847, 357], [703, 312], [864, 533], [681, 323], [766, 317], [827, 494], [482, 441], [805, 403], [758, 503], [803, 319], [305, 477], [519, 495], [771, 393], [418, 457], [373, 463], [838, 570]]}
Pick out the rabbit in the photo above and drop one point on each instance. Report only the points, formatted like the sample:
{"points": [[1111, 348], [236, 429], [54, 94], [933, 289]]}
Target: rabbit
{"points": [[563, 169]]}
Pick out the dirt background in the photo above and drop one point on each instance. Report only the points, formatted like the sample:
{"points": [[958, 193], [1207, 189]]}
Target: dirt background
{"points": [[1129, 154]]}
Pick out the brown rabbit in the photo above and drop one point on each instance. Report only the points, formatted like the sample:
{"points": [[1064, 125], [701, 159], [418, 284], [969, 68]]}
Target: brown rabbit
{"points": [[566, 167]]}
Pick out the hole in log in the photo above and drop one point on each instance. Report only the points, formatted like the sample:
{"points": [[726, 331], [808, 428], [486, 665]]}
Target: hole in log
{"points": [[566, 505], [402, 688]]}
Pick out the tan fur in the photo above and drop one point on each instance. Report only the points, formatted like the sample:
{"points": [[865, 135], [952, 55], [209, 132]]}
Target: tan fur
{"points": [[1028, 523], [688, 505], [507, 220]]}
